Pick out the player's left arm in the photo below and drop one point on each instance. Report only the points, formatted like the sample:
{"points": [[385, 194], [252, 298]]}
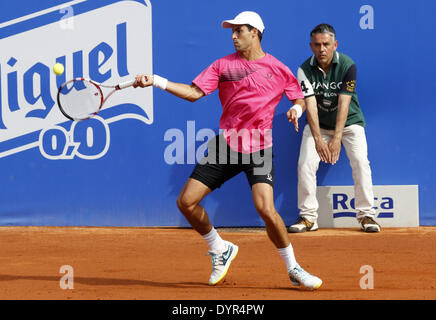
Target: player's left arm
{"points": [[295, 95], [292, 113], [345, 95]]}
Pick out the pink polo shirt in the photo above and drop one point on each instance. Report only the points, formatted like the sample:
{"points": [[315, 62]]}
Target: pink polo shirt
{"points": [[249, 92]]}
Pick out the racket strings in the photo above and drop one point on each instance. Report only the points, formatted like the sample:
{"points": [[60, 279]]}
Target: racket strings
{"points": [[80, 99]]}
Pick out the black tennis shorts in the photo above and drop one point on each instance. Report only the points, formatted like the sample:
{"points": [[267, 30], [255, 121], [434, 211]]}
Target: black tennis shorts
{"points": [[223, 163]]}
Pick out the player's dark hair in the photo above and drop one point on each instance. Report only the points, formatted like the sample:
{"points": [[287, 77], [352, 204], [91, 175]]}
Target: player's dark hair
{"points": [[259, 34], [323, 28]]}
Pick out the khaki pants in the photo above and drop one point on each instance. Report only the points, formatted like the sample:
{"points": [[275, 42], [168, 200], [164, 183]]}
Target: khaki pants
{"points": [[354, 142]]}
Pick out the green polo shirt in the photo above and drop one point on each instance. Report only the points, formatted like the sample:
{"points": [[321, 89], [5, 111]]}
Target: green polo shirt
{"points": [[341, 79]]}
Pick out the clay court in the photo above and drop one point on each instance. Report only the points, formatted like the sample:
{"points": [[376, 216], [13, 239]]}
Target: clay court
{"points": [[170, 264]]}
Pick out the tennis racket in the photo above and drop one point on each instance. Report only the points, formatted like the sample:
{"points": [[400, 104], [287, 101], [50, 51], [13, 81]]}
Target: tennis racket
{"points": [[81, 98]]}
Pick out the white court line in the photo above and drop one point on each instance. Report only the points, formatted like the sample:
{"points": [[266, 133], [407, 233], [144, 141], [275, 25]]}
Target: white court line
{"points": [[40, 13]]}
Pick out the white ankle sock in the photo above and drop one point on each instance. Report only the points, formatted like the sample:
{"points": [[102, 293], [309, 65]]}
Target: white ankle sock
{"points": [[288, 256], [213, 239]]}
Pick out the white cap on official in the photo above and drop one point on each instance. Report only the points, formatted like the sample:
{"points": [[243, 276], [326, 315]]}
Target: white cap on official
{"points": [[246, 17]]}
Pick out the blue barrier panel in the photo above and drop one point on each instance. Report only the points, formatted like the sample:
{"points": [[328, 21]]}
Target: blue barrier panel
{"points": [[127, 166]]}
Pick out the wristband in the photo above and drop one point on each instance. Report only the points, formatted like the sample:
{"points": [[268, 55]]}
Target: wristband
{"points": [[299, 110], [159, 82]]}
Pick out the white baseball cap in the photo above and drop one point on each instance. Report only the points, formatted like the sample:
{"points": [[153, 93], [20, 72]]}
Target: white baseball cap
{"points": [[246, 17]]}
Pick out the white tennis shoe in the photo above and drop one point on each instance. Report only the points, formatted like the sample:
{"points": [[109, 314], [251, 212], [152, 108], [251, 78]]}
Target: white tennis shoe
{"points": [[221, 262], [368, 224], [300, 277], [303, 225]]}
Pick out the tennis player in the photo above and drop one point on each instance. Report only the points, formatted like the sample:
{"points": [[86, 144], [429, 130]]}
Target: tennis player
{"points": [[251, 83]]}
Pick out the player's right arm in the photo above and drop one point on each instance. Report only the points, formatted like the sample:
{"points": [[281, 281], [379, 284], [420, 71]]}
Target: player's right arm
{"points": [[321, 146], [190, 93], [187, 92]]}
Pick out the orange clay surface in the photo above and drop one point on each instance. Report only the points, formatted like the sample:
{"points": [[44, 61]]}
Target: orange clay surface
{"points": [[170, 264]]}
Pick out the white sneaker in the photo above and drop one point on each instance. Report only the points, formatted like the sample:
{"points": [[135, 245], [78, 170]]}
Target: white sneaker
{"points": [[368, 224], [221, 262], [300, 277], [303, 225]]}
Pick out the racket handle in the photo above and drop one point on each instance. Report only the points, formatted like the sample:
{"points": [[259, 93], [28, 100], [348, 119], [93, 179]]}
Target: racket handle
{"points": [[126, 84]]}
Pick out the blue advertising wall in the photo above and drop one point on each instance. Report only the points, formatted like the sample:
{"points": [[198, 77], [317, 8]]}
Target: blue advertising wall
{"points": [[133, 183]]}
